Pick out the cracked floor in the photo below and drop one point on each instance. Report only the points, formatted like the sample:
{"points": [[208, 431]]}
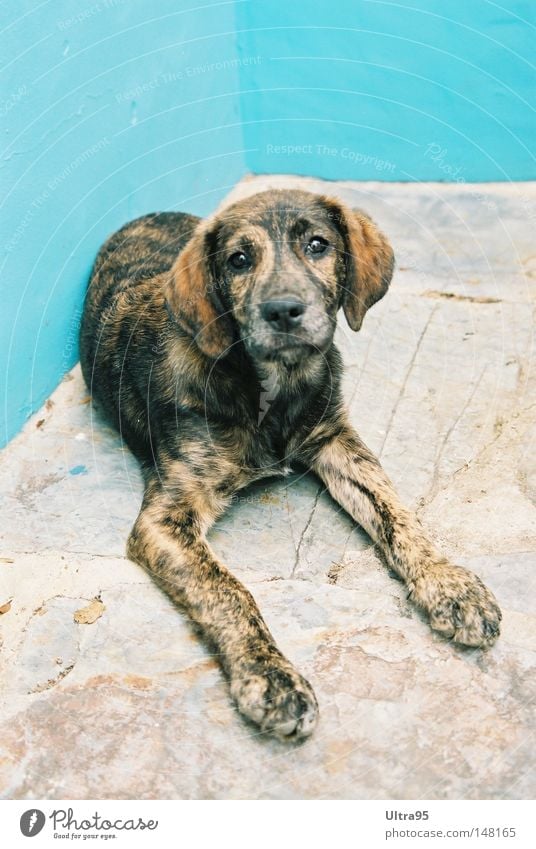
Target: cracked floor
{"points": [[125, 702]]}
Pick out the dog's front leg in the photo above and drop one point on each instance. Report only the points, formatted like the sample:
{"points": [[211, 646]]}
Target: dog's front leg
{"points": [[167, 539], [457, 602]]}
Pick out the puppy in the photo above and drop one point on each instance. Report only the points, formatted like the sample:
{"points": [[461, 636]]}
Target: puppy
{"points": [[186, 324]]}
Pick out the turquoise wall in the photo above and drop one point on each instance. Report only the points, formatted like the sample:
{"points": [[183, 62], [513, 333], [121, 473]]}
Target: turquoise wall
{"points": [[113, 108], [109, 110], [368, 90]]}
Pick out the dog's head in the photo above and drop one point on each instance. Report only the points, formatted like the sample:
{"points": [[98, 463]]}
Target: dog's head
{"points": [[272, 271]]}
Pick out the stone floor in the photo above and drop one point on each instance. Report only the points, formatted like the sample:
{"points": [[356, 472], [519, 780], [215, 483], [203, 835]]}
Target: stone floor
{"points": [[442, 383]]}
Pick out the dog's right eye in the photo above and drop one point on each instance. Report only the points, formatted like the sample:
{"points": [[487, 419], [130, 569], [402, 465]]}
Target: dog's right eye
{"points": [[239, 260]]}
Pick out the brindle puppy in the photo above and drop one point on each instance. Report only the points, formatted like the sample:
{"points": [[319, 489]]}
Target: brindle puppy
{"points": [[186, 324]]}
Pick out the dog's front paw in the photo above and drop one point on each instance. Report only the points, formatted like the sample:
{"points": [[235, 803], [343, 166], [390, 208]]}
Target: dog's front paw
{"points": [[459, 605], [278, 699]]}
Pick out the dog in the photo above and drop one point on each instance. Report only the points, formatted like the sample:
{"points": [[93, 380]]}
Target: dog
{"points": [[186, 323]]}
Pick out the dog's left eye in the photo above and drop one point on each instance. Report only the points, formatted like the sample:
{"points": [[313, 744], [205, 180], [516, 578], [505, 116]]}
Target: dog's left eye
{"points": [[317, 245], [239, 260]]}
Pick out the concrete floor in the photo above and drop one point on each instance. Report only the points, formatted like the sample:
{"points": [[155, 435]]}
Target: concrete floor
{"points": [[441, 382]]}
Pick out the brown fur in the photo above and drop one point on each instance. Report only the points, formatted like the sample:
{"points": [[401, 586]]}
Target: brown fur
{"points": [[180, 347]]}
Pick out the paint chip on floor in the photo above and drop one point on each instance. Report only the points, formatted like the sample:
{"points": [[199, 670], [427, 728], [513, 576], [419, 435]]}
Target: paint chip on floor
{"points": [[89, 614]]}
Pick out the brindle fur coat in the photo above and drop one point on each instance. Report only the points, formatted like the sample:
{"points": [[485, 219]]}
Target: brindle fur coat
{"points": [[186, 323]]}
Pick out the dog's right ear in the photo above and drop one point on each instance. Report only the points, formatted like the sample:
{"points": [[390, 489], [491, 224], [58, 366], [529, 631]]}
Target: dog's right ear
{"points": [[192, 297]]}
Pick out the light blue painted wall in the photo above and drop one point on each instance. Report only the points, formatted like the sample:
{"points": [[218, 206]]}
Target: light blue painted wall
{"points": [[113, 108], [109, 110], [409, 90]]}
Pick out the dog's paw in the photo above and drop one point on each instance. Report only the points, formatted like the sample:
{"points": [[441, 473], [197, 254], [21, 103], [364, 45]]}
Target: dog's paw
{"points": [[279, 700], [460, 607]]}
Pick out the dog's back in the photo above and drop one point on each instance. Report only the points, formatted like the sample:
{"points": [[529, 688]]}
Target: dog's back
{"points": [[124, 318]]}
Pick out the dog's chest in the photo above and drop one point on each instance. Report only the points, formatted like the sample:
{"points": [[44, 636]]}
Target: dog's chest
{"points": [[262, 417]]}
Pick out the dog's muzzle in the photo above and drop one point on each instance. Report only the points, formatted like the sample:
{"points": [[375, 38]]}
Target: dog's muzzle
{"points": [[283, 315], [284, 327]]}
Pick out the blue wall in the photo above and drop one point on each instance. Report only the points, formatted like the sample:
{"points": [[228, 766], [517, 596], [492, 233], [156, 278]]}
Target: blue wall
{"points": [[109, 110], [368, 90], [113, 108]]}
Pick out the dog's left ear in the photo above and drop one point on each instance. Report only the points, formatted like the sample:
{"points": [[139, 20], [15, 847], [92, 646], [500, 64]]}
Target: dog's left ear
{"points": [[369, 262]]}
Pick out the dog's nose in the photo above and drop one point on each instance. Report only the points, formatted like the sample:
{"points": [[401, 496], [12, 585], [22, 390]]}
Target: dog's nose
{"points": [[283, 315]]}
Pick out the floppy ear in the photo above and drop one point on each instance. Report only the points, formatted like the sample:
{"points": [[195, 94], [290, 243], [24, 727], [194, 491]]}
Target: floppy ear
{"points": [[192, 297], [369, 262]]}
